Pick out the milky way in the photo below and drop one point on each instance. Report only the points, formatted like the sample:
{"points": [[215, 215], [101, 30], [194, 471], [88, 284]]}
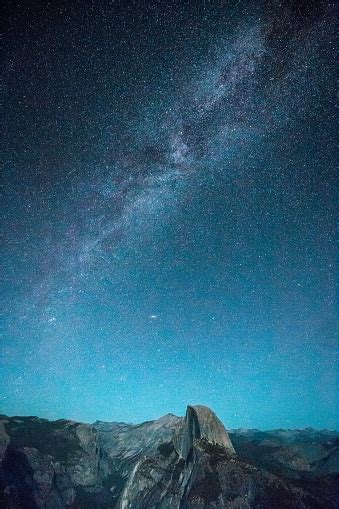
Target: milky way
{"points": [[170, 211]]}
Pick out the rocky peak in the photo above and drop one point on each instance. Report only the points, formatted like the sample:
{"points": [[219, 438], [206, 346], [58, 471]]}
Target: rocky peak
{"points": [[200, 423]]}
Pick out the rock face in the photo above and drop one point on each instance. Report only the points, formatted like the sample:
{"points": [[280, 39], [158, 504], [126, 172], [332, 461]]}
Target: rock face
{"points": [[173, 462], [201, 423]]}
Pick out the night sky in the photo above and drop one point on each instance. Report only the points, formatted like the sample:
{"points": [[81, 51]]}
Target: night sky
{"points": [[169, 210]]}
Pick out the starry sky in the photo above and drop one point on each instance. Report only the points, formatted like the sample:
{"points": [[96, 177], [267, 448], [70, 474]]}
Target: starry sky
{"points": [[169, 210]]}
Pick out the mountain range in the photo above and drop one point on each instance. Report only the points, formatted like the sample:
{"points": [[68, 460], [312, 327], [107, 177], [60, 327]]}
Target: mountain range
{"points": [[189, 462]]}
